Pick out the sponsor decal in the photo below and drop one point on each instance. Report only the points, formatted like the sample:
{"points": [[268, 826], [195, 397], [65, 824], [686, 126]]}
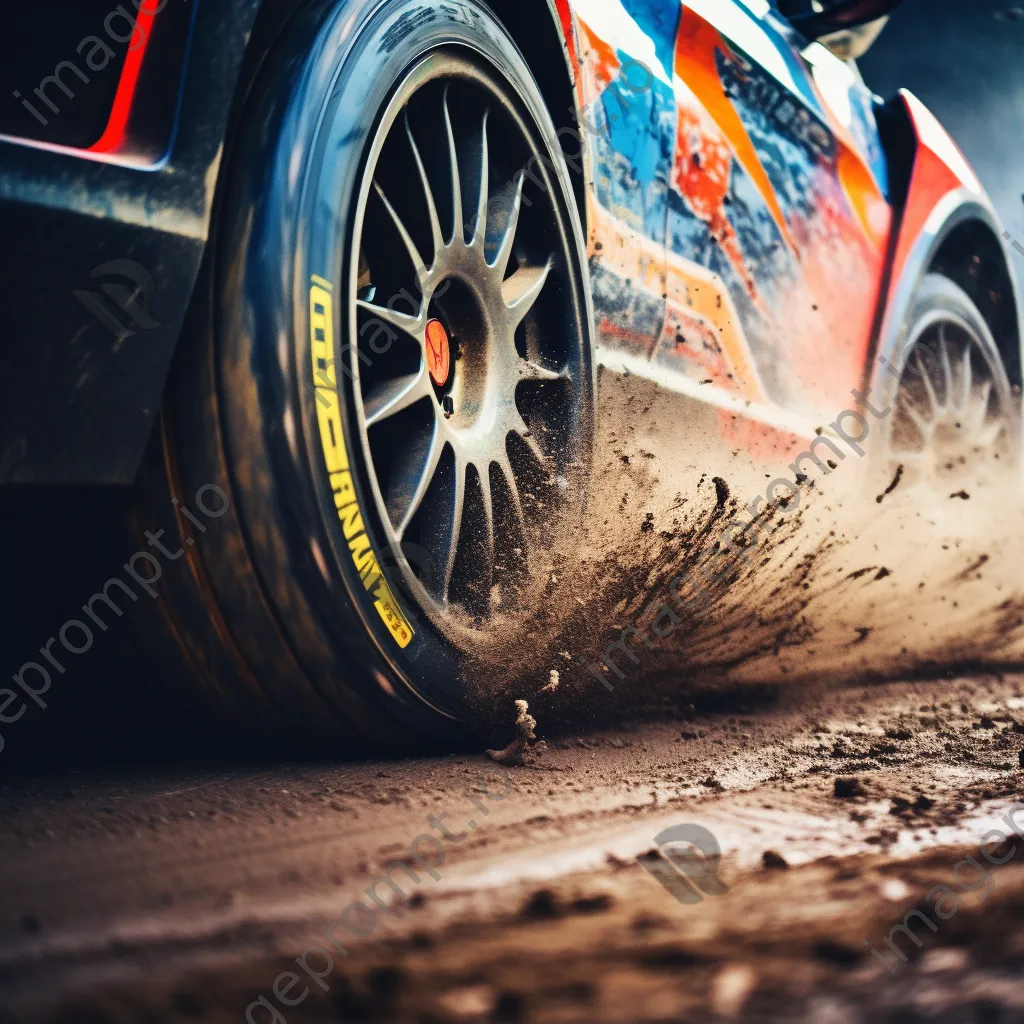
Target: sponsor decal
{"points": [[332, 440]]}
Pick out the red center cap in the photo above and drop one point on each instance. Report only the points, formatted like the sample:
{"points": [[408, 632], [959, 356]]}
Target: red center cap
{"points": [[439, 356]]}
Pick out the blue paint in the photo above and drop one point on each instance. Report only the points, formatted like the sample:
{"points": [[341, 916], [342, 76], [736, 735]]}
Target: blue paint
{"points": [[659, 20]]}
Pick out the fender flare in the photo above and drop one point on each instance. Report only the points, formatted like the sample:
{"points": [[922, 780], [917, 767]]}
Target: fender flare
{"points": [[942, 194]]}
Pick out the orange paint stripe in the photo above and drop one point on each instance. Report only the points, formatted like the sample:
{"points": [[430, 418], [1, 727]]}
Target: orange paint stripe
{"points": [[692, 291], [858, 183], [706, 296], [626, 252], [695, 65]]}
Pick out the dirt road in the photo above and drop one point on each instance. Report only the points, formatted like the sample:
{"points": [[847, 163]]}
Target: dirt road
{"points": [[188, 895]]}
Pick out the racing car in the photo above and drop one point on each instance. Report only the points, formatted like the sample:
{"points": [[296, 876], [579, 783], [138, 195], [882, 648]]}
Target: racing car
{"points": [[331, 284]]}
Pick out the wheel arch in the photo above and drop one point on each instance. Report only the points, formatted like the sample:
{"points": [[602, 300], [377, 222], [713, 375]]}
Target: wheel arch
{"points": [[972, 255], [543, 30], [945, 223]]}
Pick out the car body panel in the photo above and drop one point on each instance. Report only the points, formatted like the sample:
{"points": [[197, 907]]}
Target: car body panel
{"points": [[764, 284], [943, 194], [939, 169], [745, 245], [78, 393]]}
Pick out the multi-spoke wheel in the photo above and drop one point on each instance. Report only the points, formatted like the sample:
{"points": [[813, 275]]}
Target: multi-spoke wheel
{"points": [[389, 373], [953, 413], [471, 397]]}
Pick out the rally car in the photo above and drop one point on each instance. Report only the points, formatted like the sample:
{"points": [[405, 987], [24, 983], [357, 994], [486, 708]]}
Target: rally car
{"points": [[329, 282]]}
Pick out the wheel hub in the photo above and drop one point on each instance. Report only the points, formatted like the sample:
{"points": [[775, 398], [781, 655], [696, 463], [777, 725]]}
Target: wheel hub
{"points": [[438, 352]]}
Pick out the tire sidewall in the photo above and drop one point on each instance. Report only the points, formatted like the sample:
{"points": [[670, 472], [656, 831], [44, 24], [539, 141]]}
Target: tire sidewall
{"points": [[355, 54], [937, 293]]}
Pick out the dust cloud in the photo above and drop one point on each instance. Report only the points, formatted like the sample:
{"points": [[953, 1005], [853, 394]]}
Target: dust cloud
{"points": [[860, 573]]}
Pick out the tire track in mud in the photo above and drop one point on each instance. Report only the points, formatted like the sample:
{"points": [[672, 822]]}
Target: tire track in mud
{"points": [[546, 913]]}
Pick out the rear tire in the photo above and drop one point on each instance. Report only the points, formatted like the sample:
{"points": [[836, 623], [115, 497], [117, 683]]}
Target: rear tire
{"points": [[954, 418], [301, 609]]}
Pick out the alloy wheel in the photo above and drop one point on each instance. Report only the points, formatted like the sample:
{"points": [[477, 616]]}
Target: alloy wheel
{"points": [[953, 408], [469, 351]]}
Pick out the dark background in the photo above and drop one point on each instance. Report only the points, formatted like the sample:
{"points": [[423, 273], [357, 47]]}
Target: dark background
{"points": [[964, 59]]}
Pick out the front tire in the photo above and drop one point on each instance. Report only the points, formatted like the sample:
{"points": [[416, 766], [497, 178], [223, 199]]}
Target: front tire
{"points": [[377, 541]]}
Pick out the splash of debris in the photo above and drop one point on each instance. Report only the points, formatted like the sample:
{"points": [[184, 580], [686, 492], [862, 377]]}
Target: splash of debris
{"points": [[526, 739], [552, 683]]}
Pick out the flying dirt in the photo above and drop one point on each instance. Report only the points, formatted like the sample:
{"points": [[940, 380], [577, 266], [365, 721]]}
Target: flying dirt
{"points": [[683, 572]]}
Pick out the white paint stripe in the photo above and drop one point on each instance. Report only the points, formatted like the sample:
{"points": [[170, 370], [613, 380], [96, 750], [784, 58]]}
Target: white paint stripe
{"points": [[609, 21], [769, 415]]}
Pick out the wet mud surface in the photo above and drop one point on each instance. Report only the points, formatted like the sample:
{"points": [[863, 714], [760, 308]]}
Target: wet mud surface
{"points": [[182, 896], [831, 695]]}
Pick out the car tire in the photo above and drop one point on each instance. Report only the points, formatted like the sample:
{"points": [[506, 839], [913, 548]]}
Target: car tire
{"points": [[298, 610], [954, 412]]}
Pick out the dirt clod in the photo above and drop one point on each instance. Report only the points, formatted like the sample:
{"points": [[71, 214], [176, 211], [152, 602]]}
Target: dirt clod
{"points": [[721, 491], [893, 484], [513, 754], [542, 905], [592, 904], [552, 683], [846, 787]]}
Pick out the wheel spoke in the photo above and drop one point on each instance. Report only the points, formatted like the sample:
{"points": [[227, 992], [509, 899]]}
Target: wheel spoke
{"points": [[435, 223], [947, 369], [933, 400], [484, 475], [967, 383], [531, 442], [392, 397], [523, 432], [981, 411], [923, 423], [514, 500], [987, 436], [521, 290], [421, 466], [480, 230], [504, 253], [450, 542], [412, 325], [456, 184], [530, 370], [410, 245]]}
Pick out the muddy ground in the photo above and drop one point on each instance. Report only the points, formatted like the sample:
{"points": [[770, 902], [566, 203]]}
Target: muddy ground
{"points": [[183, 895], [835, 706]]}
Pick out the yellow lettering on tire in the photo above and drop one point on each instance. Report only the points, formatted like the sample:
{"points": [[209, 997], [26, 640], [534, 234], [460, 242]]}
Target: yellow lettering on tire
{"points": [[332, 441]]}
